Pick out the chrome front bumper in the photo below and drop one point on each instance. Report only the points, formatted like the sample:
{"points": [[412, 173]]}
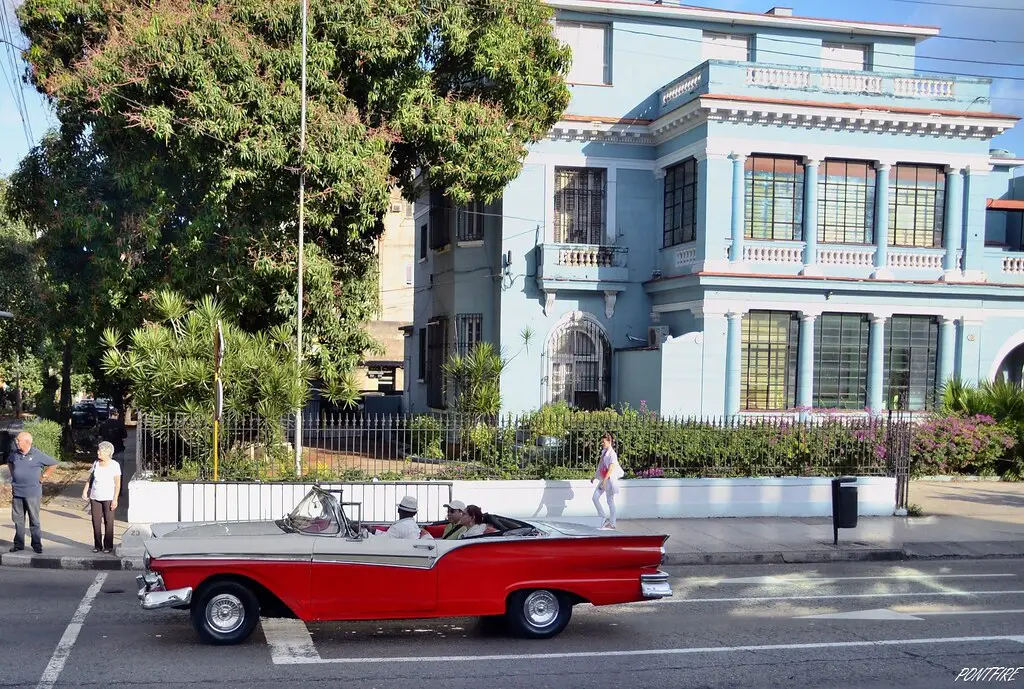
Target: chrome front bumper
{"points": [[153, 594], [655, 585]]}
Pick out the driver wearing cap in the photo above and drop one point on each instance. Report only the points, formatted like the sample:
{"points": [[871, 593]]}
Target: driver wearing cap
{"points": [[453, 529], [406, 526]]}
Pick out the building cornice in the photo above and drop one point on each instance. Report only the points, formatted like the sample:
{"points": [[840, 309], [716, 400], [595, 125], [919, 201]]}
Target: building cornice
{"points": [[602, 129], [734, 19], [774, 112], [852, 117]]}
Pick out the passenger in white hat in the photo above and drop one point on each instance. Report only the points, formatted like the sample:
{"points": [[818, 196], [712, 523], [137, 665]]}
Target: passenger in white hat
{"points": [[454, 529], [406, 526]]}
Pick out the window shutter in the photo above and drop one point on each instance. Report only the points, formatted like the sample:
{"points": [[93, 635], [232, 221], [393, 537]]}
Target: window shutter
{"points": [[719, 46], [589, 45], [843, 56]]}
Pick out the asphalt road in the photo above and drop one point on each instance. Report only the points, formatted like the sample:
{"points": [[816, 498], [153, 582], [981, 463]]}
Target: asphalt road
{"points": [[908, 625]]}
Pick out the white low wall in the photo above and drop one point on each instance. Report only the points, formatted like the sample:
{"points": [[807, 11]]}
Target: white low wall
{"points": [[677, 498], [158, 501]]}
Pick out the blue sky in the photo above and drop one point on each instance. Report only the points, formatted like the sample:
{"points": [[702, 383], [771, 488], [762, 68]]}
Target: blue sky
{"points": [[971, 20]]}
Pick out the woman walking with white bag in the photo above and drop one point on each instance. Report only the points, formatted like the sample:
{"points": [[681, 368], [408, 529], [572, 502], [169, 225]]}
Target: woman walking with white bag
{"points": [[607, 475], [102, 491]]}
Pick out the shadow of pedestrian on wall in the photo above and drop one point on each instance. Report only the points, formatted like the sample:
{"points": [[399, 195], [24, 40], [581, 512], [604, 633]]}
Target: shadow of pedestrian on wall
{"points": [[554, 499]]}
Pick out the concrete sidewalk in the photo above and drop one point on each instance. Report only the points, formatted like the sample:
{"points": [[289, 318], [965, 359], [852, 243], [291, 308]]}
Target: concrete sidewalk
{"points": [[969, 519]]}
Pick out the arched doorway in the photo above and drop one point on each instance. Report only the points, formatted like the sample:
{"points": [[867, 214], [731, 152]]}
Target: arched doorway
{"points": [[579, 360], [1008, 362], [1011, 368]]}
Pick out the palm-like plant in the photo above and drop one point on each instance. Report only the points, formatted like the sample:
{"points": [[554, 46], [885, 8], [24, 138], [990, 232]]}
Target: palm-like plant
{"points": [[169, 363], [475, 379]]}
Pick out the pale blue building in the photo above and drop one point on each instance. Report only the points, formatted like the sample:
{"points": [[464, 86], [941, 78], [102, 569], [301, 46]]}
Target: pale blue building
{"points": [[737, 213]]}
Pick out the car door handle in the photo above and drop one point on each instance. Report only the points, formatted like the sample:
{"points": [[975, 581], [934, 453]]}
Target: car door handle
{"points": [[423, 546]]}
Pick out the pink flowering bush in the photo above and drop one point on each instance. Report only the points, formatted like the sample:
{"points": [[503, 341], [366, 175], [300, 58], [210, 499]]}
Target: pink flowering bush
{"points": [[945, 445]]}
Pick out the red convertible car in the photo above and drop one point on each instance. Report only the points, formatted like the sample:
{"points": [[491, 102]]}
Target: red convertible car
{"points": [[318, 565]]}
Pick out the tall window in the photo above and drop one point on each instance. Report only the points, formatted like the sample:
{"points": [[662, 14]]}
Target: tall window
{"points": [[917, 199], [846, 202], [421, 359], [589, 43], [681, 203], [440, 221], [424, 240], [769, 360], [437, 354], [774, 198], [468, 331], [579, 366], [841, 361], [579, 205], [470, 222], [911, 355]]}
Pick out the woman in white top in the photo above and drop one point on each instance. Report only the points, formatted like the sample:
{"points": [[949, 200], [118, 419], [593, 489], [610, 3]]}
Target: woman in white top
{"points": [[473, 520], [607, 475], [102, 491]]}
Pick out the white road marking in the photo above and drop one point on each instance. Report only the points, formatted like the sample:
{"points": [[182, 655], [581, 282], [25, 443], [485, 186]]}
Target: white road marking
{"points": [[290, 642], [662, 651], [886, 614], [835, 596], [819, 580], [971, 612], [880, 613], [67, 641]]}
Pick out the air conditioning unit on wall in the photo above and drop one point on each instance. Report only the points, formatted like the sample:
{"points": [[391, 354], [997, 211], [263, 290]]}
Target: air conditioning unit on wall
{"points": [[657, 334]]}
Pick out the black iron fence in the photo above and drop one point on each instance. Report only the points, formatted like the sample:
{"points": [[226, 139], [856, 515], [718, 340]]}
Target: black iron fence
{"points": [[542, 444]]}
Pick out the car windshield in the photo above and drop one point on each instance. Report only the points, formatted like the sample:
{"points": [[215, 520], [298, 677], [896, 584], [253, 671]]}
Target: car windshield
{"points": [[316, 514]]}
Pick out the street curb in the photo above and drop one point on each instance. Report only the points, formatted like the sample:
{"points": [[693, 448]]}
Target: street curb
{"points": [[784, 557], [77, 562], [794, 557], [779, 557]]}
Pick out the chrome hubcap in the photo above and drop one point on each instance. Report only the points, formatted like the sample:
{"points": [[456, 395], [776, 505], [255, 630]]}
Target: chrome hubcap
{"points": [[541, 608], [225, 613]]}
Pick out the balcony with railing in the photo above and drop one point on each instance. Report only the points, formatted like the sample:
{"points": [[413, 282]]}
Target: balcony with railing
{"points": [[845, 260], [826, 85], [587, 267], [1004, 265]]}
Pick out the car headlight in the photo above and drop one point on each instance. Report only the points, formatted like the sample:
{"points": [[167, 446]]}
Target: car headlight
{"points": [[662, 554], [146, 559]]}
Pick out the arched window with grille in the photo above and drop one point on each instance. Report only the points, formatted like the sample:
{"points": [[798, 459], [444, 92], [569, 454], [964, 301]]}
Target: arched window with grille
{"points": [[579, 364]]}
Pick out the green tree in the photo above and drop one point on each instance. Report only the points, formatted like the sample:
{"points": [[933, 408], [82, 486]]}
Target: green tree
{"points": [[19, 295], [194, 107], [64, 193]]}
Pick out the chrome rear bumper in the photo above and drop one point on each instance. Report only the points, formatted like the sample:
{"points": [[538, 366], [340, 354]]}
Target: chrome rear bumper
{"points": [[655, 585], [153, 594]]}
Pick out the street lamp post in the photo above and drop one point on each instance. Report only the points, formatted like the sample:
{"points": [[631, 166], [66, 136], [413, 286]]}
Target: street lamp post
{"points": [[302, 209]]}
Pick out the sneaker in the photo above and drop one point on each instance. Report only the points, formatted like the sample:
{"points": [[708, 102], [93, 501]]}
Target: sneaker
{"points": [[95, 550], [16, 549], [38, 549], [108, 552], [606, 524]]}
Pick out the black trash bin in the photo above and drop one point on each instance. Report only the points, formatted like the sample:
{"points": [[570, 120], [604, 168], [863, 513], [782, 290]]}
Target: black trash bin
{"points": [[844, 505]]}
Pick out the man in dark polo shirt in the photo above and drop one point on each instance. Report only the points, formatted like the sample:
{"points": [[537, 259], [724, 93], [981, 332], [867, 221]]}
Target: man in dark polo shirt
{"points": [[28, 467]]}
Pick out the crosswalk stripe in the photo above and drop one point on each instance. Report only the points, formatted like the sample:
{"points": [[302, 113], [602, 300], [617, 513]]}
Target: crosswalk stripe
{"points": [[290, 641]]}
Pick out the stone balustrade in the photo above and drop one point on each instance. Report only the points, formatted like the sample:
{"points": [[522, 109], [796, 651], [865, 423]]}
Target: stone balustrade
{"points": [[591, 256], [859, 256]]}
